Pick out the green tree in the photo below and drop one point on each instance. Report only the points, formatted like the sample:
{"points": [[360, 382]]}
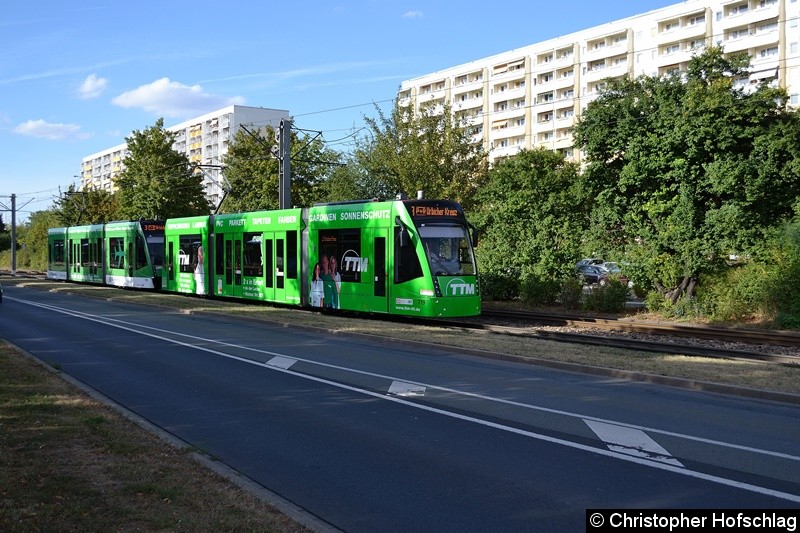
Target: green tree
{"points": [[685, 172], [89, 206], [252, 170], [351, 181], [33, 239], [158, 182], [531, 215], [429, 150], [5, 235]]}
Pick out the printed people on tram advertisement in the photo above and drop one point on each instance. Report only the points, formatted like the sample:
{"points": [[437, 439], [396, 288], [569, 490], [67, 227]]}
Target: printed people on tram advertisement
{"points": [[317, 289], [326, 283], [336, 283], [199, 273]]}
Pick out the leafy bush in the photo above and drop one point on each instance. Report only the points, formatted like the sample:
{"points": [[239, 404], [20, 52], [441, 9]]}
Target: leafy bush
{"points": [[608, 298], [737, 294], [784, 289], [655, 302], [538, 290], [571, 294], [499, 285]]}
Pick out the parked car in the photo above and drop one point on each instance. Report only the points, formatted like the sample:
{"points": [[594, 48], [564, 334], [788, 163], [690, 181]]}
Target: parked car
{"points": [[588, 261], [592, 273], [613, 270]]}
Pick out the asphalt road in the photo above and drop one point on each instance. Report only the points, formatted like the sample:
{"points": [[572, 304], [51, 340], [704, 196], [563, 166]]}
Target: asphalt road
{"points": [[372, 436]]}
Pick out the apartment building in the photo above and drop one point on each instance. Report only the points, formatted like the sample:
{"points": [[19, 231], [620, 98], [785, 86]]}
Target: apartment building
{"points": [[204, 140], [532, 96]]}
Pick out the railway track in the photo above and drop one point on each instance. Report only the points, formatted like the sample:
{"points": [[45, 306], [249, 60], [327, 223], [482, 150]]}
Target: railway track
{"points": [[766, 346], [743, 335]]}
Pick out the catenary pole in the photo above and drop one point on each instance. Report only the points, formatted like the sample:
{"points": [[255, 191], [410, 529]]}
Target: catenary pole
{"points": [[284, 156], [13, 234]]}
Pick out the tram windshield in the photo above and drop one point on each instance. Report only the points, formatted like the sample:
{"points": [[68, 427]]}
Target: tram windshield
{"points": [[448, 249], [155, 244]]}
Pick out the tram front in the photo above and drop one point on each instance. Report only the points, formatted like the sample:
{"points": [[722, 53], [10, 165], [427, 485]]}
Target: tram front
{"points": [[444, 240]]}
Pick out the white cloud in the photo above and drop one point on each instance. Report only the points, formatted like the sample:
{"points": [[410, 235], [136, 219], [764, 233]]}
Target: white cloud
{"points": [[412, 15], [92, 87], [53, 132], [172, 99]]}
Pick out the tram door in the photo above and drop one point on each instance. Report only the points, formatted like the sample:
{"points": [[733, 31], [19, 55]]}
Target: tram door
{"points": [[230, 283], [379, 273], [275, 265], [268, 258]]}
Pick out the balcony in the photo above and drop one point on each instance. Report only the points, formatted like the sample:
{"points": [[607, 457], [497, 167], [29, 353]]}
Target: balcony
{"points": [[683, 32], [464, 104], [602, 52], [471, 81], [731, 19], [506, 147], [510, 70], [564, 57], [672, 56]]}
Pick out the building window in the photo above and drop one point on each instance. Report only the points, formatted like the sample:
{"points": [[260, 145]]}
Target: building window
{"points": [[769, 52], [699, 19], [671, 25], [738, 9], [697, 44]]}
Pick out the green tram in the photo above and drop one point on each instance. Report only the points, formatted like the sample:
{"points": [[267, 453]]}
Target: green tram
{"points": [[123, 254], [405, 257]]}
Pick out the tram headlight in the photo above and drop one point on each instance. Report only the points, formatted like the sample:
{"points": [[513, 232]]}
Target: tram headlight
{"points": [[436, 287]]}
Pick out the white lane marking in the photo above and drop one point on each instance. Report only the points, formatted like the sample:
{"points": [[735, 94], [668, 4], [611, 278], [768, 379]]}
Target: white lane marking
{"points": [[280, 361], [510, 429], [402, 388], [108, 320], [631, 442]]}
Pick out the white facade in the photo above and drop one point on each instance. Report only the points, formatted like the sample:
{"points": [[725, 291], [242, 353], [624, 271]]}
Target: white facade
{"points": [[204, 140], [532, 96]]}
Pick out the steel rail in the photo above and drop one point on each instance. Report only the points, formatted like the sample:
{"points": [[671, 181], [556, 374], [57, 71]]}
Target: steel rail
{"points": [[649, 345], [722, 334]]}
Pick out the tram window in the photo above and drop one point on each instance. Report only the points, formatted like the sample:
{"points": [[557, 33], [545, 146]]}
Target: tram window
{"points": [[219, 255], [85, 258], [253, 263], [170, 256], [155, 244], [291, 254], [116, 252], [57, 252], [406, 262], [187, 252], [237, 271], [279, 267], [228, 262], [345, 246], [448, 250], [268, 263], [141, 253]]}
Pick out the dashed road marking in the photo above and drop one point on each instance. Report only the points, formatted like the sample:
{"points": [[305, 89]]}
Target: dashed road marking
{"points": [[401, 388], [631, 441], [280, 361]]}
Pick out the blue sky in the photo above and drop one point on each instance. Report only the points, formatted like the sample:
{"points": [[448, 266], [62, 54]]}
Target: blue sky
{"points": [[78, 77]]}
